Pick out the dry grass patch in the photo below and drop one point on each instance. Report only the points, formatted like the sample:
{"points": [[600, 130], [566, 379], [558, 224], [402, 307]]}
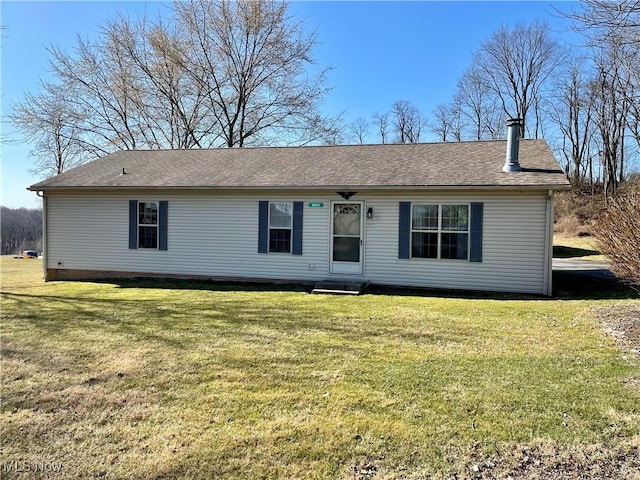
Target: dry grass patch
{"points": [[571, 226], [196, 380]]}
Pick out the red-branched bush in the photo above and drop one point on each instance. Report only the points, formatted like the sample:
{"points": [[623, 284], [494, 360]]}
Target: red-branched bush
{"points": [[617, 233]]}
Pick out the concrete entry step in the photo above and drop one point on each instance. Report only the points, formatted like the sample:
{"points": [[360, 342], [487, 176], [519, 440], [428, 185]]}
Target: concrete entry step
{"points": [[340, 287]]}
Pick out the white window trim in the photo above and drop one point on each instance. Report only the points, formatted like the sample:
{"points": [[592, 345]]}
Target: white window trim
{"points": [[440, 231], [269, 228], [157, 224]]}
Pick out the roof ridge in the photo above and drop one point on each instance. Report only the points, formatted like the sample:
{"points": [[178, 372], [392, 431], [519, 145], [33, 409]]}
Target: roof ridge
{"points": [[349, 145]]}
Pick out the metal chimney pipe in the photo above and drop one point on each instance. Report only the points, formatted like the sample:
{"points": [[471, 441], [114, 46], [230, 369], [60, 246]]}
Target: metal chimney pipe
{"points": [[513, 142]]}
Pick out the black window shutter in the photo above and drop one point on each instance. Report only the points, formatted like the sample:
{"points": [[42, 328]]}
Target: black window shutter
{"points": [[476, 231], [404, 230], [263, 226], [298, 208], [133, 224], [163, 217]]}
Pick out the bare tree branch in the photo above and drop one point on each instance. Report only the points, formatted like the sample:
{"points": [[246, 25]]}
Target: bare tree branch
{"points": [[571, 109], [381, 120], [43, 120], [217, 73], [359, 129], [408, 122], [515, 64]]}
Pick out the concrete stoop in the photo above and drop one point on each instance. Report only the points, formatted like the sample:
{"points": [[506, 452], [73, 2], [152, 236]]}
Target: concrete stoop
{"points": [[340, 287]]}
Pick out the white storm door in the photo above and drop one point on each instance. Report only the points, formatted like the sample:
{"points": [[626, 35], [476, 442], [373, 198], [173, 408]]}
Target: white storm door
{"points": [[347, 245]]}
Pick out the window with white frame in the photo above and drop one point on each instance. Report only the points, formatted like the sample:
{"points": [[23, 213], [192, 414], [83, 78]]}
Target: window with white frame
{"points": [[147, 224], [440, 231], [280, 226]]}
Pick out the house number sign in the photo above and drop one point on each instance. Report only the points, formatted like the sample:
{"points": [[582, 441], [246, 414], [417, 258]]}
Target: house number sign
{"points": [[316, 204]]}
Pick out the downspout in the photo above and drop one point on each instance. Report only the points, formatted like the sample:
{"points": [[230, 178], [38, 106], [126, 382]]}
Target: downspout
{"points": [[548, 251], [45, 248]]}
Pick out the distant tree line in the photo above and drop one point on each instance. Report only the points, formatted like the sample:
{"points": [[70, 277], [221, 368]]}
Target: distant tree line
{"points": [[21, 230], [510, 77]]}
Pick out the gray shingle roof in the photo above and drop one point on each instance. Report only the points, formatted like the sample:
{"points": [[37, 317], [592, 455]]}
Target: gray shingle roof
{"points": [[422, 165]]}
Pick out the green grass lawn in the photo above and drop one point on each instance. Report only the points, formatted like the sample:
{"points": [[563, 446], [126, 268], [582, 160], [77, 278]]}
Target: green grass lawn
{"points": [[194, 380], [584, 248]]}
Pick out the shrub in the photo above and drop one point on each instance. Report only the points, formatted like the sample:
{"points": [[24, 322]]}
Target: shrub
{"points": [[571, 226], [575, 212], [617, 233]]}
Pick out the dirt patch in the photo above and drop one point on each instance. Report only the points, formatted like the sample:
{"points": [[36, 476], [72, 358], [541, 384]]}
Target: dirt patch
{"points": [[542, 460], [622, 322]]}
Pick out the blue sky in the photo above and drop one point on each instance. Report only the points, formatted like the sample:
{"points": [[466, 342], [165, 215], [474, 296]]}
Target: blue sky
{"points": [[381, 52]]}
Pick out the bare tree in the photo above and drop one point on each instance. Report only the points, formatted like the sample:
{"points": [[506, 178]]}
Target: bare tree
{"points": [[571, 109], [616, 25], [172, 109], [447, 122], [634, 116], [100, 88], [54, 133], [441, 123], [610, 112], [515, 64], [479, 106], [217, 73], [250, 59], [408, 122], [359, 129], [381, 120], [631, 71], [604, 20], [332, 133]]}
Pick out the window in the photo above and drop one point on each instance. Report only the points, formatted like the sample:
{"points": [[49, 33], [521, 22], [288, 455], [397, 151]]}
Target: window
{"points": [[280, 226], [440, 231], [147, 225]]}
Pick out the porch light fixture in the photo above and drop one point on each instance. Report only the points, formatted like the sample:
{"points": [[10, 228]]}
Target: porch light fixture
{"points": [[370, 213], [346, 195]]}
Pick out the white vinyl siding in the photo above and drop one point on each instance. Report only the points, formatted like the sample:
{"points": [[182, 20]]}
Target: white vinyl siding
{"points": [[216, 235], [209, 235], [512, 256]]}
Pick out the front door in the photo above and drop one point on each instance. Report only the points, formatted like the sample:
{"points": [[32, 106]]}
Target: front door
{"points": [[346, 237]]}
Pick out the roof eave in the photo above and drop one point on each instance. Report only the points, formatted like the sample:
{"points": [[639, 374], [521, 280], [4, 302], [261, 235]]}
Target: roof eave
{"points": [[542, 186]]}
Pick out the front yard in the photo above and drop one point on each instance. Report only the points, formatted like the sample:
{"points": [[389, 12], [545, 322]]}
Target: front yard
{"points": [[194, 380]]}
